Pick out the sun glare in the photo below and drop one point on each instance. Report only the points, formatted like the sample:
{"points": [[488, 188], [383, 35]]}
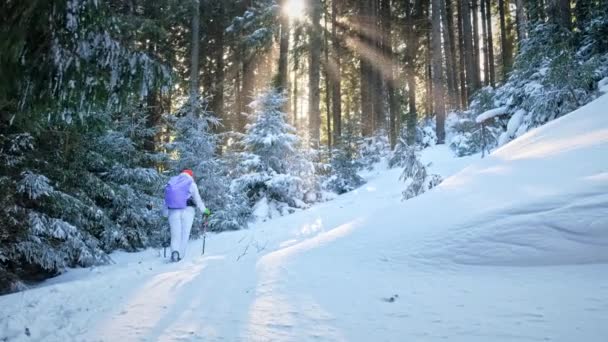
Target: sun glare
{"points": [[295, 9]]}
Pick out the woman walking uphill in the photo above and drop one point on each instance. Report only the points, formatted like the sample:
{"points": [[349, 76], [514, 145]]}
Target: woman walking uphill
{"points": [[181, 197]]}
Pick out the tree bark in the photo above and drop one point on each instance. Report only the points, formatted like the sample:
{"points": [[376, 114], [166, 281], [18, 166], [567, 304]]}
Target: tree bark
{"points": [[490, 43], [194, 58], [217, 102], [468, 47], [437, 72], [327, 77], [449, 58], [314, 115], [282, 78], [476, 58], [484, 43], [452, 55], [505, 47], [522, 21], [462, 60], [366, 79], [414, 23], [387, 17], [379, 122], [560, 13], [337, 80]]}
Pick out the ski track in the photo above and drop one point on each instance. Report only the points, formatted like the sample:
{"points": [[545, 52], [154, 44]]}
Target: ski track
{"points": [[359, 269]]}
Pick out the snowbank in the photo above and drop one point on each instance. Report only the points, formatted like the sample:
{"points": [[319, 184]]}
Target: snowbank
{"points": [[541, 199]]}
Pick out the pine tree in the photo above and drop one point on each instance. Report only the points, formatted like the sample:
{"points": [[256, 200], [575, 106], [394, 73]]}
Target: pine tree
{"points": [[270, 149]]}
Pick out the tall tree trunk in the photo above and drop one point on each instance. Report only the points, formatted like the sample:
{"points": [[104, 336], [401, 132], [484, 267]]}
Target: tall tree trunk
{"points": [[386, 15], [379, 122], [327, 77], [429, 71], [217, 102], [194, 58], [282, 79], [468, 47], [314, 115], [248, 79], [476, 58], [366, 79], [449, 58], [464, 98], [337, 79], [505, 43], [522, 21], [484, 43], [560, 13], [452, 55], [490, 47], [414, 18], [437, 72]]}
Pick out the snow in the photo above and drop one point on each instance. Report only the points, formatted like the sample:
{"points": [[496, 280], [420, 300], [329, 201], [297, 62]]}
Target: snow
{"points": [[491, 114], [603, 85], [512, 247]]}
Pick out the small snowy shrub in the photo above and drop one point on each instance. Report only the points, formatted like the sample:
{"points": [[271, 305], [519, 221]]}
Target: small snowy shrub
{"points": [[345, 164], [415, 175], [374, 149]]}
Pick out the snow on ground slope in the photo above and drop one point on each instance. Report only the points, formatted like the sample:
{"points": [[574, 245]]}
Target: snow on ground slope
{"points": [[368, 267]]}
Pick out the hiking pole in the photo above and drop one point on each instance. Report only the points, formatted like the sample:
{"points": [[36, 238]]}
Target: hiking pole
{"points": [[205, 222]]}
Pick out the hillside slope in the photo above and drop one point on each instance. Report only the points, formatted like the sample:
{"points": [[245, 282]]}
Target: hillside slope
{"points": [[368, 267]]}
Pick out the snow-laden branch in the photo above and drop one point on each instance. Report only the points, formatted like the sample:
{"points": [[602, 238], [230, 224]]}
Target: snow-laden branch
{"points": [[491, 114]]}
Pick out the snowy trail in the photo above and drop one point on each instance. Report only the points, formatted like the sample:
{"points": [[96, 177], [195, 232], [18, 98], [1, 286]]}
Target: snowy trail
{"points": [[498, 252]]}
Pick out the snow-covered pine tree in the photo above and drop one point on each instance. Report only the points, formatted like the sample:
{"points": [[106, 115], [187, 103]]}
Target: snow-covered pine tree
{"points": [[415, 174], [346, 162], [555, 72], [69, 71], [270, 149], [194, 147]]}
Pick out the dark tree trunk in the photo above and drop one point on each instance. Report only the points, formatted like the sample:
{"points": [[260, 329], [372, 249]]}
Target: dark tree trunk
{"points": [[327, 77], [194, 59], [314, 115], [522, 21], [476, 58], [282, 77], [462, 60], [452, 54], [484, 43], [387, 17], [437, 72], [469, 52], [366, 79], [379, 122], [449, 58], [490, 43], [560, 13], [505, 43], [337, 80]]}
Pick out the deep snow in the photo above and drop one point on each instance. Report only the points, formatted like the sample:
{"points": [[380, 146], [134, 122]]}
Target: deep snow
{"points": [[513, 247]]}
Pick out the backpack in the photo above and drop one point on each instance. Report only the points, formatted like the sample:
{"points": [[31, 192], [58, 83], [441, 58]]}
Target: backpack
{"points": [[177, 192]]}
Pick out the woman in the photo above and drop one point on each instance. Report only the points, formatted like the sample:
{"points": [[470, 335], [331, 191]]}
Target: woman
{"points": [[181, 196]]}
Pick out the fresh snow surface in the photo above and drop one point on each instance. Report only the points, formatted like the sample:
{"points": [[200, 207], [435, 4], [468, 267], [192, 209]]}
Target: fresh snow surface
{"points": [[603, 85], [513, 247]]}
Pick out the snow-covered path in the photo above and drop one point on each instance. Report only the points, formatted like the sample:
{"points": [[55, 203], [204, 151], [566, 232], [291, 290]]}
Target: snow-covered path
{"points": [[512, 248]]}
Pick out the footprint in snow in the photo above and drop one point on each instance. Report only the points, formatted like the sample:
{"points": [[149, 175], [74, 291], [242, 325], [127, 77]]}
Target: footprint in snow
{"points": [[391, 299]]}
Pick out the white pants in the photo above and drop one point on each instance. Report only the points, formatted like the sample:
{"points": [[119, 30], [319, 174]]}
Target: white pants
{"points": [[180, 221]]}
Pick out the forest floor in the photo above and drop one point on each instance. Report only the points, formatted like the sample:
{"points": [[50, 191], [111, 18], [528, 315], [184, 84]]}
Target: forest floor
{"points": [[512, 247]]}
